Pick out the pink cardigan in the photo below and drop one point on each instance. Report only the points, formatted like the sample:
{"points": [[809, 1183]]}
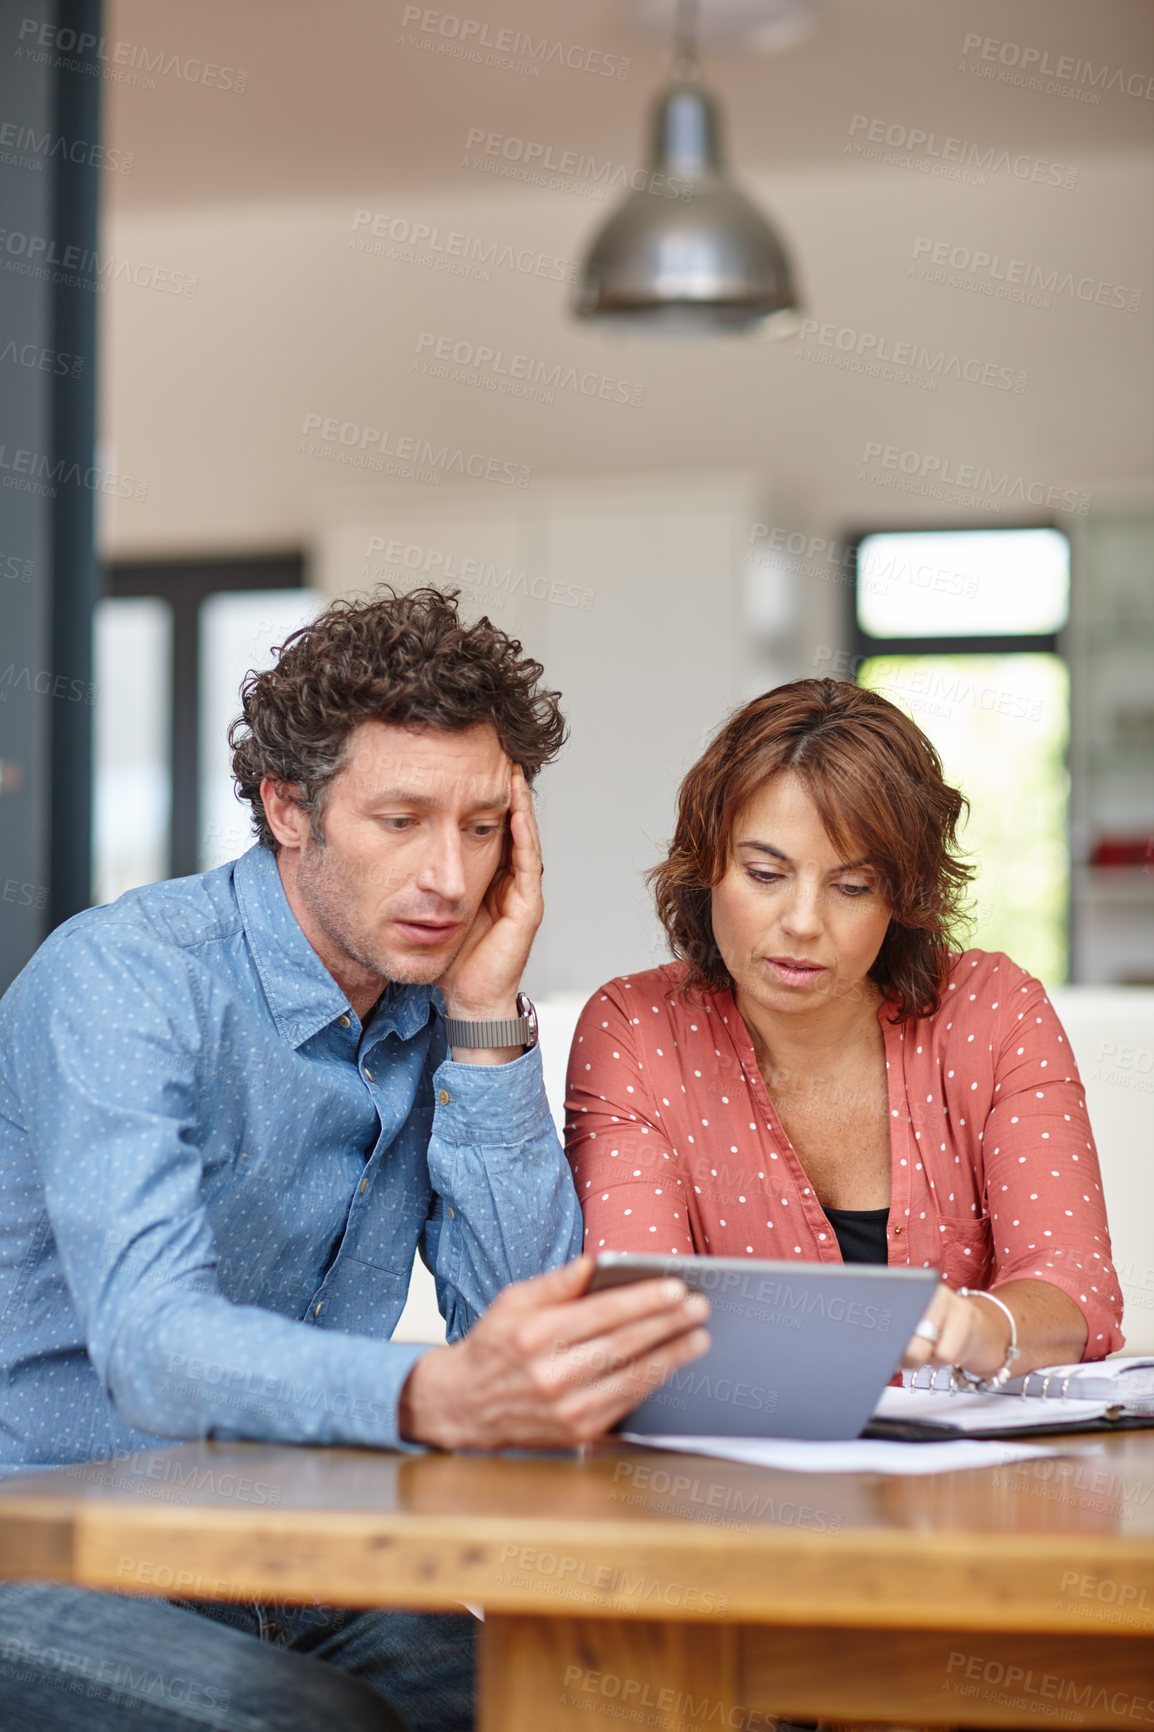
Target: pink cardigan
{"points": [[676, 1147]]}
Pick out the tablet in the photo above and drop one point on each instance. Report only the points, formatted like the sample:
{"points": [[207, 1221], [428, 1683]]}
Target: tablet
{"points": [[798, 1349]]}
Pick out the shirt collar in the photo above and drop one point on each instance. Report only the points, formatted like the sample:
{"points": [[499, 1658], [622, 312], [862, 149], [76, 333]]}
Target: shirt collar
{"points": [[301, 993]]}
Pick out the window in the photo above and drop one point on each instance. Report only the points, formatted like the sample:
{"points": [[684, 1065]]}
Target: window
{"points": [[173, 642], [961, 628], [239, 630], [132, 744]]}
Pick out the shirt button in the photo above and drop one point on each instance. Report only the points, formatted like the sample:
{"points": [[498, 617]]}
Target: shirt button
{"points": [[452, 1214], [364, 1186], [369, 1075], [443, 1096], [897, 1230], [344, 1021], [317, 1309]]}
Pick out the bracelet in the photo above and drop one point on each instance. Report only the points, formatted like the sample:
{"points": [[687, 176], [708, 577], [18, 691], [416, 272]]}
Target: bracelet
{"points": [[1002, 1376]]}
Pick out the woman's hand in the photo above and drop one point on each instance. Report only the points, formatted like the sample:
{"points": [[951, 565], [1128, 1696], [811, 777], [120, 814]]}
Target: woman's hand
{"points": [[975, 1334], [971, 1332]]}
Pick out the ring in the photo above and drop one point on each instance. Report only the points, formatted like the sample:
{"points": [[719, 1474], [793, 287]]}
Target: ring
{"points": [[928, 1330]]}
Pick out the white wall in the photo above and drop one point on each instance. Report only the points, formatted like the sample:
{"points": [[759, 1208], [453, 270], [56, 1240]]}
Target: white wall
{"points": [[631, 595], [1112, 1036], [207, 397]]}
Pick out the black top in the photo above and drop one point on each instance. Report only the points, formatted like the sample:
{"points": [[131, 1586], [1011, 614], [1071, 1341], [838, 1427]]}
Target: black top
{"points": [[860, 1234]]}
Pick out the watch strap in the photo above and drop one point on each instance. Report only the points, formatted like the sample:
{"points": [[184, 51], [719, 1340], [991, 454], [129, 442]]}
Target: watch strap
{"points": [[506, 1031]]}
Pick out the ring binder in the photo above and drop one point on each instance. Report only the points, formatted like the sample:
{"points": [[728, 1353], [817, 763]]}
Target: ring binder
{"points": [[1096, 1396], [933, 1387]]}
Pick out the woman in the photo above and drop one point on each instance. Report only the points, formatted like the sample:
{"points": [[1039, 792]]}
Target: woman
{"points": [[818, 1075]]}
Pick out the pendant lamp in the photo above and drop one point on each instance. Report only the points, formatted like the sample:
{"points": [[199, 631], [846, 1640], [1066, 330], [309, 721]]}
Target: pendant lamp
{"points": [[703, 261]]}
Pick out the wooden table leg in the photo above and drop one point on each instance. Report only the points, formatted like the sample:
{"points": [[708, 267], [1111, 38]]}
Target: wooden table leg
{"points": [[947, 1678], [545, 1674], [560, 1674]]}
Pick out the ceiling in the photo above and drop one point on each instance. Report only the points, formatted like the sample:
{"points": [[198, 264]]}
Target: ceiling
{"points": [[261, 199], [340, 94]]}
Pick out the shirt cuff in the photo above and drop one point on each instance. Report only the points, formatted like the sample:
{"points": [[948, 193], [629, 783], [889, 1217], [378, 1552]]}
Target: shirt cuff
{"points": [[491, 1105]]}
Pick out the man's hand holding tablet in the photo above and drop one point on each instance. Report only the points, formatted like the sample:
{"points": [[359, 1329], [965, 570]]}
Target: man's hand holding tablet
{"points": [[549, 1366]]}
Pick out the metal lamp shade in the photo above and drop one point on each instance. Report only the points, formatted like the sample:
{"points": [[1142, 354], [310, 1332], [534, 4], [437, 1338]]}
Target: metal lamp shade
{"points": [[688, 253]]}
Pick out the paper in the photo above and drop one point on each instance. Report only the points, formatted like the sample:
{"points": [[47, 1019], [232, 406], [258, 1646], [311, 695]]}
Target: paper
{"points": [[861, 1455], [976, 1412]]}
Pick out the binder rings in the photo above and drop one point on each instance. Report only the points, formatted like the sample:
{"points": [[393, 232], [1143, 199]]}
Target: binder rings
{"points": [[1112, 1395]]}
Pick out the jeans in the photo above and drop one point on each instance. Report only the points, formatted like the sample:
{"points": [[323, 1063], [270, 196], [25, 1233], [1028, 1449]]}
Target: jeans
{"points": [[72, 1658]]}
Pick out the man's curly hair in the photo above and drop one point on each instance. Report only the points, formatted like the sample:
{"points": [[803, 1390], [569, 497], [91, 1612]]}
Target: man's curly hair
{"points": [[406, 659]]}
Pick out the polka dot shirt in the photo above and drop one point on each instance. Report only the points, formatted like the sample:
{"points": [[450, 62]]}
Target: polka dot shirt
{"points": [[676, 1147], [214, 1177]]}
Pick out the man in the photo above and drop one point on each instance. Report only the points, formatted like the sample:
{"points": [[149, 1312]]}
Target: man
{"points": [[231, 1108]]}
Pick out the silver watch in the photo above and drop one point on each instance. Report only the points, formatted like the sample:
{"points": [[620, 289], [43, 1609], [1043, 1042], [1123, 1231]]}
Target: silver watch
{"points": [[520, 1030]]}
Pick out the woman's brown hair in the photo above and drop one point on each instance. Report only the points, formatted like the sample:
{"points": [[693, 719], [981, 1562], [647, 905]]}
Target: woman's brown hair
{"points": [[877, 783]]}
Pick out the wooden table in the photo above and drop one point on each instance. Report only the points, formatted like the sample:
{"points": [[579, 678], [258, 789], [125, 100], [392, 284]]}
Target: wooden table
{"points": [[664, 1591]]}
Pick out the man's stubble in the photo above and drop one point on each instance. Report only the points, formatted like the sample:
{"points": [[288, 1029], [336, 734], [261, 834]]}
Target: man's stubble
{"points": [[323, 886]]}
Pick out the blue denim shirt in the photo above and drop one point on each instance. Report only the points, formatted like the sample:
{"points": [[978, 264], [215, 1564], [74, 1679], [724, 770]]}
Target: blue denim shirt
{"points": [[213, 1180]]}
